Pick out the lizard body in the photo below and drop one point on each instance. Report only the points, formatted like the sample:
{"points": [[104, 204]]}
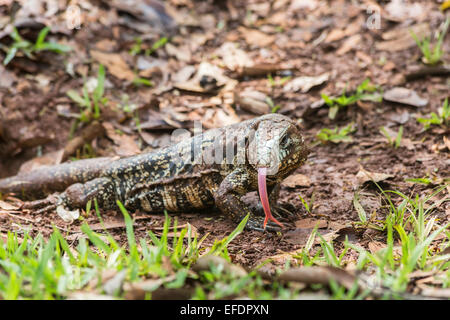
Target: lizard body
{"points": [[214, 168]]}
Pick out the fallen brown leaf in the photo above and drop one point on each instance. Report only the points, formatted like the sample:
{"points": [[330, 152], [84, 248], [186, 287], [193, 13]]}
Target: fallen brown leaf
{"points": [[253, 101], [349, 44], [304, 84], [48, 159], [404, 96], [310, 223], [319, 275], [256, 38], [234, 58], [181, 53], [375, 246], [364, 176], [8, 206], [446, 142], [203, 264], [296, 180], [125, 145], [89, 133], [115, 64], [435, 292], [400, 39]]}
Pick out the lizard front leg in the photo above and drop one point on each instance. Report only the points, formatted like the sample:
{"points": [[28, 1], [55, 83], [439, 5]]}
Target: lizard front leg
{"points": [[77, 196], [228, 200]]}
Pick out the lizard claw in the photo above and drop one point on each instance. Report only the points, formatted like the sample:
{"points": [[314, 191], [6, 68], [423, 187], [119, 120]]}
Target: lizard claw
{"points": [[278, 211], [43, 205], [46, 209], [281, 212], [257, 224]]}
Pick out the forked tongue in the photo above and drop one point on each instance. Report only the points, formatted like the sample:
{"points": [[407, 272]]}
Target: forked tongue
{"points": [[262, 188]]}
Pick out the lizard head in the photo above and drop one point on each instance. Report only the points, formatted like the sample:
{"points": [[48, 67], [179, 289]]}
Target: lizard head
{"points": [[277, 148]]}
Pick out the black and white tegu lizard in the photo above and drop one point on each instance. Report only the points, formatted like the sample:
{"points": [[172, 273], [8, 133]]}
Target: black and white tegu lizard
{"points": [[215, 168]]}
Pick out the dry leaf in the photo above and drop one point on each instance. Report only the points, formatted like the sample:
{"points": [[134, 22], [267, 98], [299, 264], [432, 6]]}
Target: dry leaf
{"points": [[138, 290], [296, 180], [7, 78], [205, 71], [364, 176], [257, 38], [48, 159], [319, 275], [82, 295], [404, 96], [446, 142], [303, 4], [299, 236], [115, 64], [234, 58], [401, 39], [304, 84], [124, 144], [310, 223], [114, 285], [435, 292], [253, 101], [183, 74], [204, 263], [374, 246], [335, 35], [400, 10], [181, 53], [364, 57], [219, 118], [8, 206], [349, 44]]}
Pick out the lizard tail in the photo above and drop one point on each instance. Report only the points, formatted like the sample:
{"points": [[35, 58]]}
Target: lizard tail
{"points": [[49, 179]]}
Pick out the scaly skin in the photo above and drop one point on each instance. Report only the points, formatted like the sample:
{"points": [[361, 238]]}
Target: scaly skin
{"points": [[178, 178]]}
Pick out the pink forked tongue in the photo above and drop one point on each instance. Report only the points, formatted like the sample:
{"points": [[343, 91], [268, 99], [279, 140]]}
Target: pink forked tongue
{"points": [[262, 188]]}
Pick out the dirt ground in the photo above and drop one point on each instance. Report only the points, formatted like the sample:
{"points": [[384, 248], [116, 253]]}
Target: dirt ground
{"points": [[239, 45]]}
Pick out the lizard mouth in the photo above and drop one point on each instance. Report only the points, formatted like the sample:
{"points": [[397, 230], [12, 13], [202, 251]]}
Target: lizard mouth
{"points": [[262, 188]]}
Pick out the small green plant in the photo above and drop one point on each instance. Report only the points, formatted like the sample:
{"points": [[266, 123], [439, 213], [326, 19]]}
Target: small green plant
{"points": [[359, 208], [442, 118], [308, 206], [91, 102], [425, 181], [87, 151], [395, 143], [336, 135], [274, 83], [138, 81], [365, 91], [137, 46], [131, 109], [432, 54], [365, 221], [273, 108], [29, 48], [219, 247], [158, 44]]}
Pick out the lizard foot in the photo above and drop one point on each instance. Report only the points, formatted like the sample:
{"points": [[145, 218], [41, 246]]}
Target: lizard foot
{"points": [[43, 205], [257, 224], [278, 211]]}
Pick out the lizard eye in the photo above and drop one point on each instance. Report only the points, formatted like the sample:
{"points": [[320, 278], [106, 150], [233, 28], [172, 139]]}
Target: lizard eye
{"points": [[284, 141]]}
